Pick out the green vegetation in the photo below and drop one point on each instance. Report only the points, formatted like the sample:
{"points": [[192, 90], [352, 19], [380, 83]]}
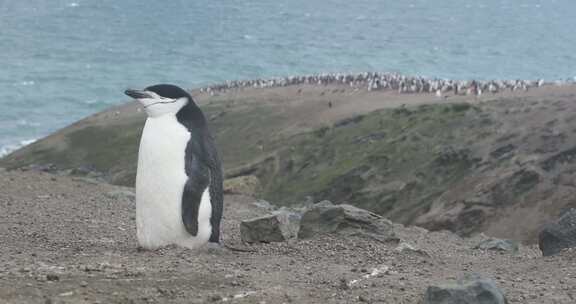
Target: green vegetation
{"points": [[389, 160], [110, 150]]}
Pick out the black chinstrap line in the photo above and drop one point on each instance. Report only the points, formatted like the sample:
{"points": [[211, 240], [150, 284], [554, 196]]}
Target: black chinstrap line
{"points": [[173, 101]]}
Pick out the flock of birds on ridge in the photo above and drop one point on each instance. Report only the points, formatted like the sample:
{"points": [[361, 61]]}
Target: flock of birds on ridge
{"points": [[386, 81]]}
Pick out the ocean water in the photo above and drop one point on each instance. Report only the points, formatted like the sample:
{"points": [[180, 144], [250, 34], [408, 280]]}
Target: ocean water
{"points": [[63, 60]]}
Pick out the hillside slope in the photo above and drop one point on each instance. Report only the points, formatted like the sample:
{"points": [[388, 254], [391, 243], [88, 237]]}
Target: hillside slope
{"points": [[498, 163], [244, 122]]}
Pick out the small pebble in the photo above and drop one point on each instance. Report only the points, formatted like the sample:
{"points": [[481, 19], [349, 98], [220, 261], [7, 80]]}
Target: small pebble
{"points": [[214, 298], [52, 277], [343, 284]]}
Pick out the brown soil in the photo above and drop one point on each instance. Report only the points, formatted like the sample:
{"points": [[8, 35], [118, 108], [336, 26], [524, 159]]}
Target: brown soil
{"points": [[67, 240]]}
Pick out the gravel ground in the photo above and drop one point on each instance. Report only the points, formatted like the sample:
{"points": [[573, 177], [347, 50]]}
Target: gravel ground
{"points": [[70, 240]]}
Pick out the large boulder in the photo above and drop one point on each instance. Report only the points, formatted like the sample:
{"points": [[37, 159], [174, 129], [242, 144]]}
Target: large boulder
{"points": [[279, 226], [471, 290], [324, 217], [560, 235]]}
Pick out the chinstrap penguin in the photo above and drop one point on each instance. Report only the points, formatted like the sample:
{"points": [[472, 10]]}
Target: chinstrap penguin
{"points": [[179, 197]]}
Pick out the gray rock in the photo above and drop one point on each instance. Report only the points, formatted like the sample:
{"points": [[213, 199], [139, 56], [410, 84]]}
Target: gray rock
{"points": [[263, 205], [290, 221], [121, 194], [559, 235], [324, 203], [406, 248], [498, 245], [471, 290], [49, 167], [324, 217], [52, 277], [277, 227]]}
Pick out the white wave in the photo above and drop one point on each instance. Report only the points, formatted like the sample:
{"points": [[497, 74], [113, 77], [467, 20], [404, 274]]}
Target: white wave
{"points": [[90, 101], [73, 4], [22, 122], [4, 150], [25, 83]]}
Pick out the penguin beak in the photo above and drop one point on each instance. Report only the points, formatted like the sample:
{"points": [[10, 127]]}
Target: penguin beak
{"points": [[137, 94]]}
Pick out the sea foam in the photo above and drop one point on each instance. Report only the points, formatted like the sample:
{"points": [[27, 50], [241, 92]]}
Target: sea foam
{"points": [[7, 149]]}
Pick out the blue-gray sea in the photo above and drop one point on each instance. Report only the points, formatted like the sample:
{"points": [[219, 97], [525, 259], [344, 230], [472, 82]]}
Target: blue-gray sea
{"points": [[61, 60]]}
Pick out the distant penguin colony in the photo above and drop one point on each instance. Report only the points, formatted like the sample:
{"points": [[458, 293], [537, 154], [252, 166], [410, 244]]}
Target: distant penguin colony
{"points": [[179, 197], [373, 81]]}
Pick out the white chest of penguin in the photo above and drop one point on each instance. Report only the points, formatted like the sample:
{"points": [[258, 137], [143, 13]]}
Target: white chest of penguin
{"points": [[160, 182]]}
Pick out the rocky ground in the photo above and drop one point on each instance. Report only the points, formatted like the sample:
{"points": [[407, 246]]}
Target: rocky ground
{"points": [[72, 240]]}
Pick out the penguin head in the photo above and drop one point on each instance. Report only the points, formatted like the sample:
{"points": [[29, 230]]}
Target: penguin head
{"points": [[161, 99]]}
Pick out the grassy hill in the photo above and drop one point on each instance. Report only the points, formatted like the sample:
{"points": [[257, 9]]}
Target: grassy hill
{"points": [[502, 163]]}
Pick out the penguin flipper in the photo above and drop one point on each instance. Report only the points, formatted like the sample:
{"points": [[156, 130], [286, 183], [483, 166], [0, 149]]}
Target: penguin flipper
{"points": [[191, 199], [217, 202], [216, 190], [204, 169]]}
